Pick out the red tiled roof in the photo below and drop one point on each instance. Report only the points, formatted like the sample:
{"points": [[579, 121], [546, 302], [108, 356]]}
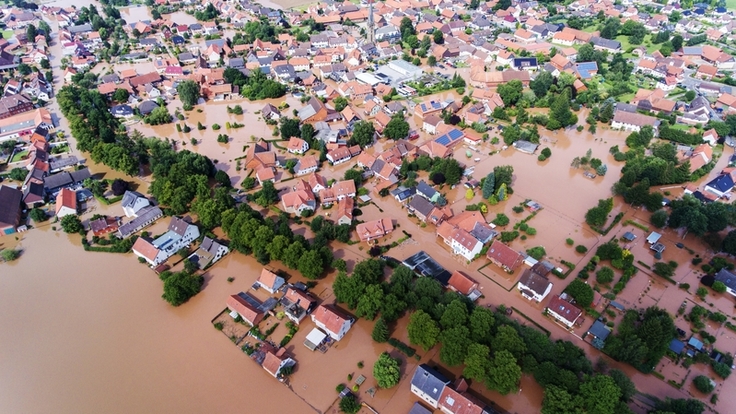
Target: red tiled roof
{"points": [[244, 309], [462, 282], [504, 255], [330, 317]]}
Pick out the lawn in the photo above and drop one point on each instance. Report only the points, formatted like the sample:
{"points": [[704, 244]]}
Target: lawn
{"points": [[731, 4], [19, 156], [7, 34], [625, 45]]}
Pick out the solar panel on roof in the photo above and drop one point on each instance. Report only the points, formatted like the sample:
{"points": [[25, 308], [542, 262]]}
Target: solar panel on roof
{"points": [[444, 140], [455, 134]]}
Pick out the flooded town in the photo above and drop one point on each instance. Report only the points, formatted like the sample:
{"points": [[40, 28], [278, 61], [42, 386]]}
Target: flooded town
{"points": [[367, 207]]}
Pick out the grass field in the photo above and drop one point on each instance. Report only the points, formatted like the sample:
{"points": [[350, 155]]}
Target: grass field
{"points": [[731, 4], [7, 34], [19, 156]]}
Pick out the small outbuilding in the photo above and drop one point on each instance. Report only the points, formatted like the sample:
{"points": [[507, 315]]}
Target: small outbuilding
{"points": [[315, 339], [653, 237]]}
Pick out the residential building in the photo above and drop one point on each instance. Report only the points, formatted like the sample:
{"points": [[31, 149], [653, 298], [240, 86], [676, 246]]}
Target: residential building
{"points": [[66, 203], [420, 207], [14, 104], [464, 244], [345, 209], [208, 252], [332, 321], [306, 165], [144, 218], [273, 363], [374, 229], [721, 185], [534, 286], [10, 209], [133, 202], [297, 201], [270, 281], [728, 279], [247, 307], [103, 225], [563, 311], [633, 122], [428, 384], [297, 304], [504, 256], [179, 235], [465, 285], [297, 146]]}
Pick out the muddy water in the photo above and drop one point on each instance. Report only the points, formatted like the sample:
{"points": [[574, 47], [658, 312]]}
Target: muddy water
{"points": [[135, 14]]}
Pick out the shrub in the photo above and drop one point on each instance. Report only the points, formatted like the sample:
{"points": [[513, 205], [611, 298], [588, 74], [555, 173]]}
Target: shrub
{"points": [[215, 127], [702, 292], [684, 286], [704, 384], [517, 209], [581, 249], [719, 286], [349, 404], [604, 275], [569, 242]]}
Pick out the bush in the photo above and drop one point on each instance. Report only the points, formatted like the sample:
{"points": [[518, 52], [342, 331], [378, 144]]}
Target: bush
{"points": [[581, 249], [684, 286], [215, 127], [719, 286], [569, 242], [604, 275], [349, 404], [703, 384]]}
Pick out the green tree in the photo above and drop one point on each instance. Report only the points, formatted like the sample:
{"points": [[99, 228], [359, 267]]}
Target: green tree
{"points": [[348, 289], [454, 345], [481, 323], [719, 286], [340, 103], [37, 215], [386, 371], [507, 339], [311, 265], [71, 224], [406, 27], [31, 33], [659, 219], [560, 115], [610, 28], [349, 404], [8, 255], [18, 174], [604, 275], [438, 37], [600, 394], [581, 292], [503, 373], [121, 95], [380, 331], [431, 61], [423, 330], [476, 362], [627, 387], [541, 84], [489, 185], [363, 133], [179, 287], [189, 93], [370, 302], [704, 384], [557, 400], [456, 314], [293, 255], [289, 128], [397, 128], [510, 92]]}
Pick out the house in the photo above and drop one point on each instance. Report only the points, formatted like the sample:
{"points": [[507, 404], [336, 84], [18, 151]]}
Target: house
{"points": [[270, 281], [179, 235], [420, 207], [428, 384], [563, 311], [133, 202], [208, 252], [14, 104], [335, 323], [711, 137], [306, 165], [273, 363], [633, 122], [721, 185], [297, 146], [426, 191], [374, 229], [503, 256], [144, 218], [65, 179], [430, 123], [314, 111], [459, 401], [245, 306], [401, 193], [534, 286], [33, 194], [298, 201], [270, 112], [465, 244], [461, 283], [345, 209], [103, 225], [10, 209], [701, 155], [66, 203], [728, 279], [297, 304], [339, 155]]}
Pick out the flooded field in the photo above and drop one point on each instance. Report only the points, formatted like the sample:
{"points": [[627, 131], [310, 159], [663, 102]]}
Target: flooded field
{"points": [[135, 14]]}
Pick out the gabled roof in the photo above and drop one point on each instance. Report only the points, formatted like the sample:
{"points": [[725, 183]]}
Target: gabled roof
{"points": [[66, 198], [535, 282], [245, 306], [564, 309], [332, 319], [429, 381], [461, 282], [504, 255], [270, 279], [10, 199]]}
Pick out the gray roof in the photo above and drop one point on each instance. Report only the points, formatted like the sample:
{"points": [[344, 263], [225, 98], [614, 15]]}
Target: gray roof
{"points": [[727, 278], [421, 205], [10, 205], [130, 197], [609, 44], [429, 381], [483, 232], [82, 28], [65, 178], [599, 330], [146, 216], [538, 284], [425, 190]]}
